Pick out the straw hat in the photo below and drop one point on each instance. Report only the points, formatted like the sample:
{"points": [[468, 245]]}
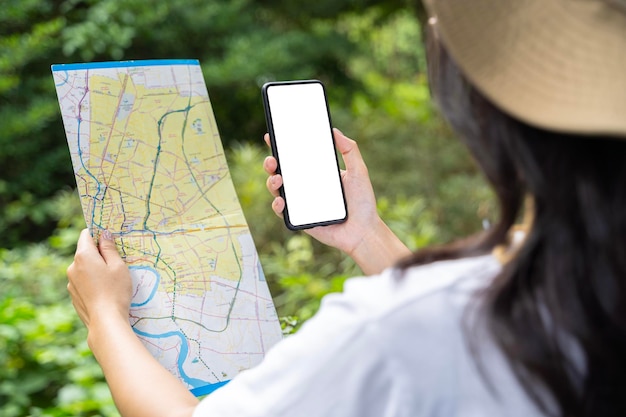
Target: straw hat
{"points": [[556, 64]]}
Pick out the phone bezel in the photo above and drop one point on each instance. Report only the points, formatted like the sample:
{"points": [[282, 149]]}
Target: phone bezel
{"points": [[270, 128]]}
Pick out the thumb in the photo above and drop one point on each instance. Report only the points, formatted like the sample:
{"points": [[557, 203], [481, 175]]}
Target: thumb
{"points": [[107, 248], [349, 152]]}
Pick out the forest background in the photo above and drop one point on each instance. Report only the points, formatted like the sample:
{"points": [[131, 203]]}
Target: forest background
{"points": [[369, 54]]}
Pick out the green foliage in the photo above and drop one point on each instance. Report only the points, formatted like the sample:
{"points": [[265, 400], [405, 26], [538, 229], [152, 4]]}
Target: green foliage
{"points": [[47, 367], [409, 149]]}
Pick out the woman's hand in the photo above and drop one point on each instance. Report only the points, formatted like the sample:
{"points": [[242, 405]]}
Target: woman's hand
{"points": [[364, 236], [359, 197], [99, 280], [101, 290]]}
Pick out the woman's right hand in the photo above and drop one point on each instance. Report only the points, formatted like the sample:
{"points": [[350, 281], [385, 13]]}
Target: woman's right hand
{"points": [[363, 232]]}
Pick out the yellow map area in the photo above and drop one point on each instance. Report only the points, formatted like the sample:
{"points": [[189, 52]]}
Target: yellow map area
{"points": [[167, 166]]}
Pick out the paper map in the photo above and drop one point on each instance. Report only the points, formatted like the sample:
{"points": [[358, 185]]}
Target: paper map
{"points": [[150, 168]]}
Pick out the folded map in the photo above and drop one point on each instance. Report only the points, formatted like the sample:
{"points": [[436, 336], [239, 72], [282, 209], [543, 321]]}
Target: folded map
{"points": [[150, 168]]}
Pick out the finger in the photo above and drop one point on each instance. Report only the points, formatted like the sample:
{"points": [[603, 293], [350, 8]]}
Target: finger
{"points": [[270, 186], [79, 306], [85, 258], [85, 249], [85, 242], [266, 138], [270, 165], [70, 273], [349, 151], [108, 250], [77, 302], [278, 205], [273, 184]]}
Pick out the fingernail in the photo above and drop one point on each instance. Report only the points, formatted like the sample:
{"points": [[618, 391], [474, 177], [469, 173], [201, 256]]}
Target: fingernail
{"points": [[106, 235]]}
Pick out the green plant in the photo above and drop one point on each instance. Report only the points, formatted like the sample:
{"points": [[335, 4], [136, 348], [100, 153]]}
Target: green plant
{"points": [[47, 367]]}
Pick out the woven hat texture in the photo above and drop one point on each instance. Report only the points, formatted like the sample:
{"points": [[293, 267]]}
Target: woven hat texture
{"points": [[554, 64]]}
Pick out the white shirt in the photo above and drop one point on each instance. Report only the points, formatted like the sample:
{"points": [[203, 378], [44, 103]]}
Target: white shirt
{"points": [[389, 345]]}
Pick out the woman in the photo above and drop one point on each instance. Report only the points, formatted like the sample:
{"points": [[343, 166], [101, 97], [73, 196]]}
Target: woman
{"points": [[537, 90]]}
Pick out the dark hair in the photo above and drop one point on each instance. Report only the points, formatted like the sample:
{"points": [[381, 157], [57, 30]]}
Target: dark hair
{"points": [[564, 293]]}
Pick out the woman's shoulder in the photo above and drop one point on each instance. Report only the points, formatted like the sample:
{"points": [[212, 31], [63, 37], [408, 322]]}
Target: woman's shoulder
{"points": [[449, 284], [419, 311]]}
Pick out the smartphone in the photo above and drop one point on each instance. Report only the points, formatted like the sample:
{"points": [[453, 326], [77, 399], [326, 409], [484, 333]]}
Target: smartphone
{"points": [[301, 137]]}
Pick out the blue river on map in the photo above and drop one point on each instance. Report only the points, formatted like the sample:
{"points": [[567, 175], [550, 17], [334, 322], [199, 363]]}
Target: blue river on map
{"points": [[184, 352], [184, 346], [154, 288]]}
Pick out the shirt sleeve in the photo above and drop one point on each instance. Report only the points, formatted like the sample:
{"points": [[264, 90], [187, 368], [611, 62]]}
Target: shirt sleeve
{"points": [[333, 366]]}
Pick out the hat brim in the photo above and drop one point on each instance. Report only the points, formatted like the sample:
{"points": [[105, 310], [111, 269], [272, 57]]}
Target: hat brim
{"points": [[559, 65]]}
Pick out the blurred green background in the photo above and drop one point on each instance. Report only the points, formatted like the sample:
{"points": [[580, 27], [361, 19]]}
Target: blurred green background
{"points": [[370, 56]]}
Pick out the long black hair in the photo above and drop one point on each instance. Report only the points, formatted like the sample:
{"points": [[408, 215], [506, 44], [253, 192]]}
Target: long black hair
{"points": [[558, 309]]}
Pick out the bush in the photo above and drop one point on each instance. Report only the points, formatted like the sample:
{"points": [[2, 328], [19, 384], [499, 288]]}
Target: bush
{"points": [[48, 369]]}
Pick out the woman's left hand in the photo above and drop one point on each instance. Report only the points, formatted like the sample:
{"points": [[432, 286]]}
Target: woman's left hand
{"points": [[99, 280]]}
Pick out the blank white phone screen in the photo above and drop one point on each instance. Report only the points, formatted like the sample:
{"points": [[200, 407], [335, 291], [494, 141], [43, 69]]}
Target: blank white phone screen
{"points": [[306, 154]]}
